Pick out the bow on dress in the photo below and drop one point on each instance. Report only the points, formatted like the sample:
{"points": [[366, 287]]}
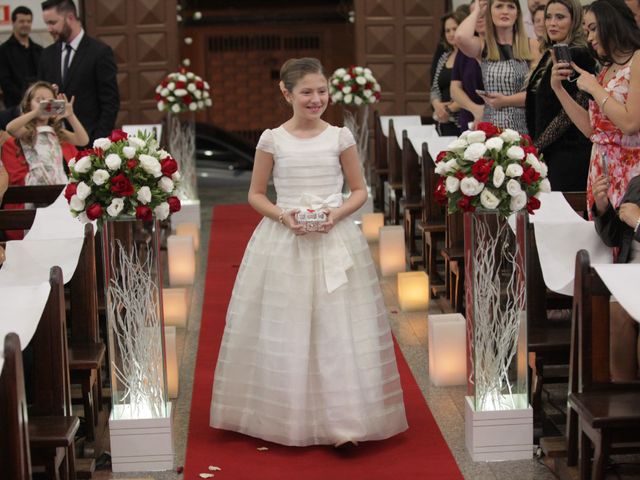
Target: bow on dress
{"points": [[336, 259]]}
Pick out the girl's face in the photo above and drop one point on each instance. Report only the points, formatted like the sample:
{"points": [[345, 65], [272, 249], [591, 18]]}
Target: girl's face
{"points": [[504, 13], [538, 23], [310, 96], [40, 95], [450, 26], [558, 22], [592, 33]]}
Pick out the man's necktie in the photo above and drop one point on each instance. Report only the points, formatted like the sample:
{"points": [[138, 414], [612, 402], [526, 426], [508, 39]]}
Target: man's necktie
{"points": [[65, 66]]}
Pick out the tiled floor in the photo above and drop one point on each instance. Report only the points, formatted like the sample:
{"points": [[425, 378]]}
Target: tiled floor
{"points": [[447, 404]]}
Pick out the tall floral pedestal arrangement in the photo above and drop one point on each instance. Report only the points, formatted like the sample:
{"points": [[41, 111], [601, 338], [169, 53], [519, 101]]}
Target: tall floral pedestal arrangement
{"points": [[127, 185], [495, 176], [181, 94], [355, 88]]}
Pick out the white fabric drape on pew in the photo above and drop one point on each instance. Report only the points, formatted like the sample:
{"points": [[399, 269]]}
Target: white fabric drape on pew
{"points": [[622, 281]]}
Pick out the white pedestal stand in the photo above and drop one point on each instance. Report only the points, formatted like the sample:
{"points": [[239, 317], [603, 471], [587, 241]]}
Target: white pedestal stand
{"points": [[141, 445], [498, 435]]}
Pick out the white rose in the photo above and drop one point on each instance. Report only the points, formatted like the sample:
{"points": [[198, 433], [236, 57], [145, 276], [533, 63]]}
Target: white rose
{"points": [[207, 102], [476, 136], [367, 71], [488, 199], [361, 80], [200, 104], [545, 185], [376, 87], [348, 98], [164, 92], [150, 165], [162, 211], [452, 184], [83, 165], [193, 106], [160, 105], [335, 81], [515, 153], [340, 72], [83, 218], [136, 142], [186, 62], [474, 151], [166, 184], [532, 160], [100, 176], [513, 188], [191, 75], [346, 78], [162, 154], [197, 94], [452, 165], [182, 78], [470, 186], [518, 202], [180, 92], [372, 99], [115, 207], [76, 203], [359, 70], [441, 168], [458, 145], [367, 93], [129, 152], [102, 143], [144, 195], [176, 177], [83, 190], [191, 87], [113, 161], [346, 89], [510, 136], [464, 135], [494, 143], [357, 100], [514, 170], [175, 108], [498, 176], [544, 170]]}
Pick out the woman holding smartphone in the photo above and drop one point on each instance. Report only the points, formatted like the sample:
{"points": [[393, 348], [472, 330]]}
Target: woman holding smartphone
{"points": [[504, 55], [565, 150], [612, 120]]}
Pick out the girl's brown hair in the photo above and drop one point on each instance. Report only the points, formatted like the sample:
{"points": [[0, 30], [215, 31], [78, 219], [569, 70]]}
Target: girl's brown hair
{"points": [[295, 68], [521, 50], [25, 107]]}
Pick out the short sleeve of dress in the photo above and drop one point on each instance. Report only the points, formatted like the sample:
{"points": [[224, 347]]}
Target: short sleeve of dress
{"points": [[266, 142], [346, 139]]}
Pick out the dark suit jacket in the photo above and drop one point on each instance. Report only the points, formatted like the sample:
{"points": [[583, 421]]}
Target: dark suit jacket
{"points": [[613, 231], [91, 80], [18, 69]]}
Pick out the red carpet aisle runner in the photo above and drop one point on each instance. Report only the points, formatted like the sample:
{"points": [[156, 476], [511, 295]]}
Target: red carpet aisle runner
{"points": [[419, 453]]}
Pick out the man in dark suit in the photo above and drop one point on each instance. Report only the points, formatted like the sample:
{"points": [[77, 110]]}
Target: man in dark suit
{"points": [[19, 57], [82, 67]]}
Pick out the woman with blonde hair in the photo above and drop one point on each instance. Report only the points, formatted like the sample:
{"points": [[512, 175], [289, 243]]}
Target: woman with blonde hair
{"points": [[504, 55], [566, 151]]}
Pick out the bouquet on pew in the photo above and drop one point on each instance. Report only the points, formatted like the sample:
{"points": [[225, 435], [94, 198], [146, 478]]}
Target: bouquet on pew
{"points": [[493, 169], [354, 86], [123, 175], [182, 91]]}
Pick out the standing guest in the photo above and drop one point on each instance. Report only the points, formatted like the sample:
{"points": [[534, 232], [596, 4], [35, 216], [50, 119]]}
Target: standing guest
{"points": [[566, 151], [504, 57], [528, 17], [307, 356], [19, 57], [612, 121], [466, 80], [82, 67], [538, 23], [445, 109], [462, 10]]}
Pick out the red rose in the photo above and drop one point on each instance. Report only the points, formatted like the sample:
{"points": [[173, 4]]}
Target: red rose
{"points": [[180, 84], [144, 213], [87, 152], [530, 149], [157, 97], [117, 135], [174, 204], [465, 204], [94, 211], [488, 128], [121, 185], [440, 193], [459, 175], [168, 166], [131, 164], [377, 95], [70, 191], [441, 155], [533, 204], [481, 170], [164, 83], [530, 175], [200, 85], [187, 99], [354, 89], [526, 140]]}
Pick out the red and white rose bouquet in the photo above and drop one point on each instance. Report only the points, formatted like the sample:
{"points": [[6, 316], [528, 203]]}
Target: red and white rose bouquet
{"points": [[493, 169], [182, 91], [354, 86], [121, 176]]}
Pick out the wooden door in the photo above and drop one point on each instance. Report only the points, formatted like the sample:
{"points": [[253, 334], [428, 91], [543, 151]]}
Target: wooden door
{"points": [[397, 40], [144, 37]]}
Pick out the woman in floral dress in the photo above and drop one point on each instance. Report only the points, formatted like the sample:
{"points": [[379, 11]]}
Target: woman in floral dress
{"points": [[613, 120]]}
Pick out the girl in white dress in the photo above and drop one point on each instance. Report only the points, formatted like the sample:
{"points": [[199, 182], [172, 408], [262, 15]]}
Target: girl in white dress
{"points": [[307, 356]]}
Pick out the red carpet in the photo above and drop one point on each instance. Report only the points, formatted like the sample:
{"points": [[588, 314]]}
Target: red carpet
{"points": [[419, 453]]}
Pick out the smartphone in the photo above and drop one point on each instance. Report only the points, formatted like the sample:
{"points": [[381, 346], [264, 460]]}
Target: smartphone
{"points": [[50, 108], [562, 53], [481, 92]]}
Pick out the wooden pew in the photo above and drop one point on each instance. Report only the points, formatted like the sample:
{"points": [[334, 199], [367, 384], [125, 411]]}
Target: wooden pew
{"points": [[600, 411], [411, 202], [380, 170], [37, 194], [394, 180], [453, 255], [15, 458]]}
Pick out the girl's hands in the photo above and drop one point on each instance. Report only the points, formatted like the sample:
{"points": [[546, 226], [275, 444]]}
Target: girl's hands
{"points": [[331, 220], [289, 221], [599, 188], [629, 213], [68, 108]]}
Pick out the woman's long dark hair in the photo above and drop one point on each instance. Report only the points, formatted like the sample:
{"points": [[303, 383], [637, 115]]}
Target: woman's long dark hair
{"points": [[617, 29]]}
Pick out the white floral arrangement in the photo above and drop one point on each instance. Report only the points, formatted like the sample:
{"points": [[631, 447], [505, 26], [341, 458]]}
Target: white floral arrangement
{"points": [[354, 86], [493, 169], [123, 175], [182, 91]]}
